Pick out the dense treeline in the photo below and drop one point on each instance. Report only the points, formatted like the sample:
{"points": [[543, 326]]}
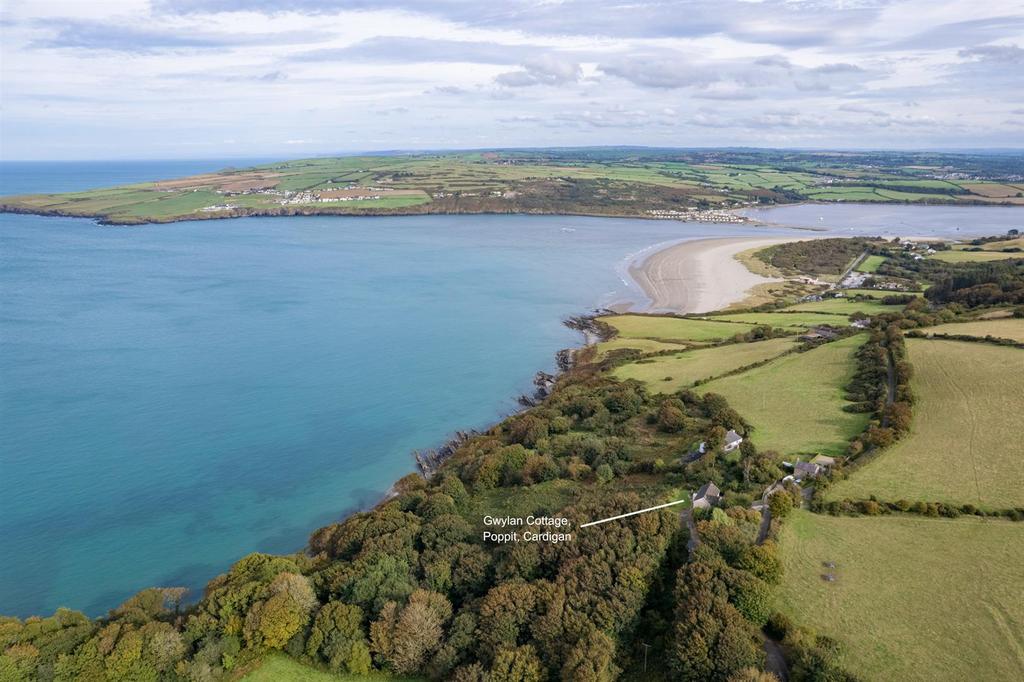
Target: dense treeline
{"points": [[816, 256], [999, 282], [881, 386], [975, 284]]}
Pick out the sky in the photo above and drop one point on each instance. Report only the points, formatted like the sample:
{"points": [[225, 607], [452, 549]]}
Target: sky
{"points": [[119, 79]]}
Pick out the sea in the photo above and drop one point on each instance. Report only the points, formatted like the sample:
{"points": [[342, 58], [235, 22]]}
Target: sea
{"points": [[174, 397]]}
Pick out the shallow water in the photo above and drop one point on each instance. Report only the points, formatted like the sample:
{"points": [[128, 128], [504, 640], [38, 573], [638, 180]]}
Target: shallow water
{"points": [[173, 397], [891, 220]]}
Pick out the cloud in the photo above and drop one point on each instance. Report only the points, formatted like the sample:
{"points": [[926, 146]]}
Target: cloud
{"points": [[659, 71], [1002, 54], [402, 49], [775, 22], [537, 72], [546, 70], [960, 33], [862, 109], [97, 35], [731, 79]]}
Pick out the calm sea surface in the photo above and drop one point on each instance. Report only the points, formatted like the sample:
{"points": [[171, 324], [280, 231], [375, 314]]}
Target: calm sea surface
{"points": [[173, 397]]}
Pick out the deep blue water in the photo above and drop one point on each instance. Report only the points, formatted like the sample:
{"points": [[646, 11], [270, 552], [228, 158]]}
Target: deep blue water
{"points": [[173, 397]]}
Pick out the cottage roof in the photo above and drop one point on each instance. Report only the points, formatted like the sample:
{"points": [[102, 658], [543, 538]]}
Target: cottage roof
{"points": [[709, 489], [732, 437], [806, 467]]}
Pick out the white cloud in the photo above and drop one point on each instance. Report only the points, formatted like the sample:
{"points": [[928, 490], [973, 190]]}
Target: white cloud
{"points": [[206, 77]]}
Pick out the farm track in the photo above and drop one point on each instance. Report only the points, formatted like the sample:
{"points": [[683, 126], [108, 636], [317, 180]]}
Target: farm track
{"points": [[968, 409], [1013, 639]]}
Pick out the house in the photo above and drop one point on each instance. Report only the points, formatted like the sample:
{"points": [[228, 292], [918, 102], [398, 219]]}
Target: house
{"points": [[732, 441], [802, 470], [861, 324], [707, 496]]}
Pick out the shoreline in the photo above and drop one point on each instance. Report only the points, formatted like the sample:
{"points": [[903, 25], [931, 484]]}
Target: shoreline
{"points": [[698, 276]]}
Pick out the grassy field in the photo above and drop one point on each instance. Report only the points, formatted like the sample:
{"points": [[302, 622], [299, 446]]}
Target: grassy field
{"points": [[796, 402], [794, 319], [871, 264], [673, 328], [1015, 243], [974, 256], [608, 182], [844, 306], [686, 368], [913, 598], [280, 668], [964, 445], [642, 345], [1003, 328]]}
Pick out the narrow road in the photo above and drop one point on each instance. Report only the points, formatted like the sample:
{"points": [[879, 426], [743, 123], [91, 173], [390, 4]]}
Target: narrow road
{"points": [[694, 540], [775, 662], [766, 524], [891, 376], [856, 261]]}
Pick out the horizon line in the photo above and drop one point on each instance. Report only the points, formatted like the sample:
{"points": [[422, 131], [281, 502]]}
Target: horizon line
{"points": [[451, 150]]}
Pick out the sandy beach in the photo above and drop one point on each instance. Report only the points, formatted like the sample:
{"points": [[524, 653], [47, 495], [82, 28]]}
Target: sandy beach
{"points": [[699, 276]]}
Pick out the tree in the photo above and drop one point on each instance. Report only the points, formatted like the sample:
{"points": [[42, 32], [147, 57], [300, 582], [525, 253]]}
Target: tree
{"points": [[711, 640], [604, 474], [504, 612], [372, 581], [404, 638], [780, 504], [671, 418], [715, 439], [273, 622], [337, 637], [518, 664], [527, 430], [591, 660], [763, 561]]}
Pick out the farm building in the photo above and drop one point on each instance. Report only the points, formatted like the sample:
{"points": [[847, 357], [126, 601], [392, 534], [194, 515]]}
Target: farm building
{"points": [[823, 461]]}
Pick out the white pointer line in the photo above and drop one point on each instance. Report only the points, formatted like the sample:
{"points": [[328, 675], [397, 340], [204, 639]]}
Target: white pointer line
{"points": [[622, 516]]}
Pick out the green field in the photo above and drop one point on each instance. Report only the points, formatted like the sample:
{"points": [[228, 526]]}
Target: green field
{"points": [[673, 328], [913, 598], [280, 668], [845, 306], [974, 256], [796, 402], [686, 368], [1003, 328], [642, 345], [606, 181], [1014, 243], [780, 319], [965, 444], [871, 264]]}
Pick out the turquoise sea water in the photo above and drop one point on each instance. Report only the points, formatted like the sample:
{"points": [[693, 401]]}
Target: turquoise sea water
{"points": [[173, 397]]}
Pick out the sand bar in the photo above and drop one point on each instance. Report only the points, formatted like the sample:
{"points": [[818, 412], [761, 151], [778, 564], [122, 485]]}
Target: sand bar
{"points": [[701, 275]]}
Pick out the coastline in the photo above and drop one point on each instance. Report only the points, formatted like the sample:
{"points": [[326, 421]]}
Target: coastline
{"points": [[699, 276]]}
